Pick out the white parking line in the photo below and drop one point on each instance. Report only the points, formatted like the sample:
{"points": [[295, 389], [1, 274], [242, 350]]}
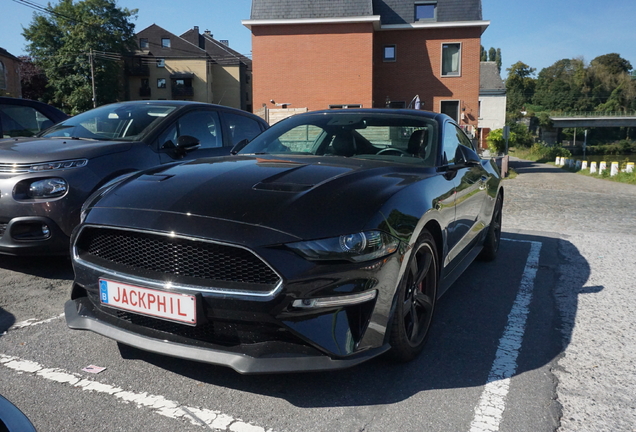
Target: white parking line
{"points": [[158, 404], [32, 322], [489, 411]]}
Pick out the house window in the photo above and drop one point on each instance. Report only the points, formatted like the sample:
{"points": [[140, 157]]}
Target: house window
{"points": [[451, 59], [426, 11], [348, 106], [165, 42], [389, 53], [161, 83], [161, 63], [3, 77], [143, 43], [450, 108]]}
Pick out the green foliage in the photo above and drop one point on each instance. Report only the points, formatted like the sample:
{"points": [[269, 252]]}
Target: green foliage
{"points": [[520, 86], [60, 43], [546, 153], [496, 141]]}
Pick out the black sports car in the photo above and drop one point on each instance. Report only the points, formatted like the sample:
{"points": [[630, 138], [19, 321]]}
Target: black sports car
{"points": [[45, 179], [324, 242]]}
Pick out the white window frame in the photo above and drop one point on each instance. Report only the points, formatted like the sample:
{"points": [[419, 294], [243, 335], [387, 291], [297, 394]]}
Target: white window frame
{"points": [[459, 60], [163, 44], [161, 63], [162, 80]]}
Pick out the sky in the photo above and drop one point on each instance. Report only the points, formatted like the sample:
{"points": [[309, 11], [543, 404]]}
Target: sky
{"points": [[538, 32]]}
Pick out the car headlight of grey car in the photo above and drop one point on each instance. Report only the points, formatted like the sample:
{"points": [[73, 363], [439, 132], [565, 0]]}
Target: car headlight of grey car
{"points": [[357, 247], [53, 187]]}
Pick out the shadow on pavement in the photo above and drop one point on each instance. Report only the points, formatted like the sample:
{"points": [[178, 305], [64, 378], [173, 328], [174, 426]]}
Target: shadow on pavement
{"points": [[49, 267], [469, 322], [528, 167]]}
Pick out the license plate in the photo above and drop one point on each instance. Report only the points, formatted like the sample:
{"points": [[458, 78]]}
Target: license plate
{"points": [[145, 301]]}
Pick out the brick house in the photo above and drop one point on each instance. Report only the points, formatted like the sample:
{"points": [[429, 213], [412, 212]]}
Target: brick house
{"points": [[192, 66], [368, 53], [9, 75]]}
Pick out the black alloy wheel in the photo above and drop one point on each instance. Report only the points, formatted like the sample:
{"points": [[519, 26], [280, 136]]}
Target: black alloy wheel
{"points": [[416, 300], [493, 237]]}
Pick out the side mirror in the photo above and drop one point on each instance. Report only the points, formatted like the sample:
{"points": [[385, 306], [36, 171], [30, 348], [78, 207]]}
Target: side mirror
{"points": [[467, 157], [239, 146], [187, 143]]}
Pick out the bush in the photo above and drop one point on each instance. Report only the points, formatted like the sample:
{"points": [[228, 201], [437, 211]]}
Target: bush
{"points": [[544, 153]]}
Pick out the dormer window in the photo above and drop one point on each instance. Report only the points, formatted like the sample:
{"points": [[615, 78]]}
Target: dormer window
{"points": [[426, 11], [165, 42]]}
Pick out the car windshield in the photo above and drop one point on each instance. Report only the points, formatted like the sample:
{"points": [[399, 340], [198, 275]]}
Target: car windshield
{"points": [[126, 122], [396, 137]]}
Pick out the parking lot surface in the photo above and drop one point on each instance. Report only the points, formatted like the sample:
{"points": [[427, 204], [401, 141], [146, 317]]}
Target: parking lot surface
{"points": [[538, 340]]}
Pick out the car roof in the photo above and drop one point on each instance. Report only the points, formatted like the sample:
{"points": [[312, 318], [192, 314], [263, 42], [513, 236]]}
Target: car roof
{"points": [[48, 110]]}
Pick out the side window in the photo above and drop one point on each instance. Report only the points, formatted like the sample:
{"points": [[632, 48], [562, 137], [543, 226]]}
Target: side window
{"points": [[203, 125], [241, 127], [22, 121], [464, 140], [451, 142]]}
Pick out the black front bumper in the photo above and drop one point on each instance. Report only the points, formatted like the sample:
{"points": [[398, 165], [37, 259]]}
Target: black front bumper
{"points": [[21, 236], [80, 316]]}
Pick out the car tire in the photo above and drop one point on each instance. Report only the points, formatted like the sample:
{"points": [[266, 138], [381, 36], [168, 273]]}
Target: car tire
{"points": [[493, 237], [416, 298]]}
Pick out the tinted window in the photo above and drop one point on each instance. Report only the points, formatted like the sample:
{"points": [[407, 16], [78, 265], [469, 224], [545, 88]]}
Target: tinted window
{"points": [[203, 125], [453, 138], [21, 121], [241, 127]]}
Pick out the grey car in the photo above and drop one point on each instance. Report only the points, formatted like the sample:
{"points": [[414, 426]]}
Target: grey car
{"points": [[44, 180]]}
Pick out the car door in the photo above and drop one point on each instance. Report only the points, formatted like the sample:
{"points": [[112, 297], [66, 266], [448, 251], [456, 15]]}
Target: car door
{"points": [[202, 124], [470, 192]]}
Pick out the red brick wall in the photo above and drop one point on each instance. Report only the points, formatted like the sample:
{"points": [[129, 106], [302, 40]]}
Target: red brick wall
{"points": [[418, 69], [313, 66]]}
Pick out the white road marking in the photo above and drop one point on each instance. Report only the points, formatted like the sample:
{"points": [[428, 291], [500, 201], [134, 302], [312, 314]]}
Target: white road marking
{"points": [[489, 411], [32, 322], [160, 405]]}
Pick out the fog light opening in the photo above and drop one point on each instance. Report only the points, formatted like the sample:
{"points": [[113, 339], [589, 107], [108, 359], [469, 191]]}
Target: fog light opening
{"points": [[30, 231]]}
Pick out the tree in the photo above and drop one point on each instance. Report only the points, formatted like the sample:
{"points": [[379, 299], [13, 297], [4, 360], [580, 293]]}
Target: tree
{"points": [[492, 54], [61, 42], [614, 63], [560, 87], [520, 86], [483, 55], [33, 80], [498, 59]]}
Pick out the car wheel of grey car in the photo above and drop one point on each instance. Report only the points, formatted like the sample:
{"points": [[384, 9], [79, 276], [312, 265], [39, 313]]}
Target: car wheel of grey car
{"points": [[416, 301], [493, 237]]}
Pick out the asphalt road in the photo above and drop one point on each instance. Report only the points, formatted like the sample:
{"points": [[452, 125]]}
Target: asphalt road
{"points": [[539, 340]]}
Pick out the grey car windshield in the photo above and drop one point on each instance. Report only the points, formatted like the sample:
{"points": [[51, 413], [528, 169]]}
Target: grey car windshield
{"points": [[124, 122], [398, 138]]}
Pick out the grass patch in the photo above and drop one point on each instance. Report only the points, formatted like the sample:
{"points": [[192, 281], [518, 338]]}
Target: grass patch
{"points": [[538, 153]]}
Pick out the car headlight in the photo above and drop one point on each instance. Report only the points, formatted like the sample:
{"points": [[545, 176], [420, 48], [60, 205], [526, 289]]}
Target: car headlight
{"points": [[48, 188], [49, 166], [358, 247]]}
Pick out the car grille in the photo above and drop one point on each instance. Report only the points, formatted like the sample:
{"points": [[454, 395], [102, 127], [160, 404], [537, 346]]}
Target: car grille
{"points": [[187, 259]]}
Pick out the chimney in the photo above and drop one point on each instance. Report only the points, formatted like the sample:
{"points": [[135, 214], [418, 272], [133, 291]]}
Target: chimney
{"points": [[196, 29], [207, 32]]}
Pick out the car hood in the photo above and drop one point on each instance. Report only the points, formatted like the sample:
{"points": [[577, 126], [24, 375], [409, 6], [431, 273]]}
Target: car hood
{"points": [[287, 195], [32, 150]]}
